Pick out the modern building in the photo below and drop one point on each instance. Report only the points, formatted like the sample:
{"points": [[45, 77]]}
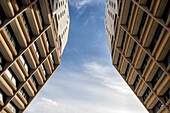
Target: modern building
{"points": [[138, 35], [33, 34]]}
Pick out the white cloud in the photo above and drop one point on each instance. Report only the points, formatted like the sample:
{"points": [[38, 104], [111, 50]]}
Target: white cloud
{"points": [[47, 101], [79, 4], [108, 76], [93, 88]]}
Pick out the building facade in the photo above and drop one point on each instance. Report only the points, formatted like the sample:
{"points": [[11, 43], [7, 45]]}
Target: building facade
{"points": [[33, 34], [138, 35]]}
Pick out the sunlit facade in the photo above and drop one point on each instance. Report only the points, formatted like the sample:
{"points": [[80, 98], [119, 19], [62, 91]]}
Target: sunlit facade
{"points": [[33, 35], [138, 35]]}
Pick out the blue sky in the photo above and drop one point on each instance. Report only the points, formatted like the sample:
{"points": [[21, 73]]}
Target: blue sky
{"points": [[86, 81]]}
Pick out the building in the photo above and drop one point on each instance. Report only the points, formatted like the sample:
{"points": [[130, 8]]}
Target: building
{"points": [[33, 34], [138, 35]]}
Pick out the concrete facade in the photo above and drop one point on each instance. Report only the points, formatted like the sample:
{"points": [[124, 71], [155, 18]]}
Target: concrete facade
{"points": [[138, 35], [33, 35]]}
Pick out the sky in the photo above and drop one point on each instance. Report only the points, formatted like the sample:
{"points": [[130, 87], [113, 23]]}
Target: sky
{"points": [[86, 81]]}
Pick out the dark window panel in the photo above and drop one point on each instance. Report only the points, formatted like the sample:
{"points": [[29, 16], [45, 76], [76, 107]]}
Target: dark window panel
{"points": [[157, 107], [141, 24], [156, 37], [129, 13], [144, 63], [157, 76], [146, 94]]}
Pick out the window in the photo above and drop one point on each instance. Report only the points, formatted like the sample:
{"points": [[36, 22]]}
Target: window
{"points": [[1, 97], [141, 24], [127, 70], [157, 76], [118, 59], [2, 62], [157, 107], [136, 81], [120, 8], [144, 63], [123, 40], [24, 94], [2, 16], [34, 81], [51, 56], [114, 5], [36, 51], [44, 72], [129, 13], [26, 23], [11, 76], [38, 7], [23, 60], [148, 3], [19, 3], [146, 94], [167, 59], [133, 50], [155, 38], [12, 107], [166, 11], [115, 19], [12, 37], [167, 95], [46, 40]]}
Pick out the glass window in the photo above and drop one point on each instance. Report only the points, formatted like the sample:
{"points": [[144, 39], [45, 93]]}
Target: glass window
{"points": [[51, 56], [127, 70], [12, 37], [24, 94], [43, 69], [133, 50], [136, 81], [144, 63], [118, 61], [129, 13], [157, 107], [123, 40], [167, 59], [1, 96], [36, 51], [141, 24], [146, 94], [167, 95], [148, 3], [46, 40], [10, 75], [2, 15], [26, 23], [23, 60], [166, 11], [34, 81], [12, 107], [156, 37], [157, 76], [2, 62]]}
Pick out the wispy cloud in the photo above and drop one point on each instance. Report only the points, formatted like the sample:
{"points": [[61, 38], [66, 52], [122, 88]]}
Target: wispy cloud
{"points": [[46, 101], [79, 4], [94, 88]]}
